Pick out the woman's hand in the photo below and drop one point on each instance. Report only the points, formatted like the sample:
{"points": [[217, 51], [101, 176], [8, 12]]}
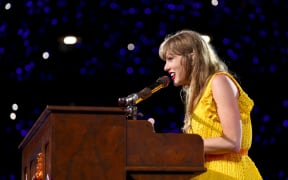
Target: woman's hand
{"points": [[152, 121]]}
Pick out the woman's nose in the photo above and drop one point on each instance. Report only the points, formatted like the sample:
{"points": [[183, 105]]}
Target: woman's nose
{"points": [[166, 67]]}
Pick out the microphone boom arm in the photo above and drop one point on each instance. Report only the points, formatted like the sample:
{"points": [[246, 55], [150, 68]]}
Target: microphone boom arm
{"points": [[131, 100]]}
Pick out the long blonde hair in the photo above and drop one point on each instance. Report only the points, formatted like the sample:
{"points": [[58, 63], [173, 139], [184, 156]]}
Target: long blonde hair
{"points": [[200, 63]]}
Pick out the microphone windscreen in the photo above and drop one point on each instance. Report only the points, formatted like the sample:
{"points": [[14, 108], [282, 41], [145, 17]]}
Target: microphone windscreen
{"points": [[164, 80]]}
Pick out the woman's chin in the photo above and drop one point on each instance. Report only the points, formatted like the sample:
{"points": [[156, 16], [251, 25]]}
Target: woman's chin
{"points": [[176, 84]]}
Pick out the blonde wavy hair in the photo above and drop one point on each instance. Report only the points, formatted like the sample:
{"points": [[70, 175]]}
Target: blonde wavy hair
{"points": [[200, 63]]}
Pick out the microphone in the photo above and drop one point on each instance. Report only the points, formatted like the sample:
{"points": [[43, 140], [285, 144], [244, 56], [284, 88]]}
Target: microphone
{"points": [[145, 93]]}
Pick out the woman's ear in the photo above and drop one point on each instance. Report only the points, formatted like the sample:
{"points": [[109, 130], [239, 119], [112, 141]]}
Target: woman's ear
{"points": [[191, 54]]}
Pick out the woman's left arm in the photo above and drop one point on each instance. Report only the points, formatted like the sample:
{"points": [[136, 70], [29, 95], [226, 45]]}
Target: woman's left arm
{"points": [[225, 94]]}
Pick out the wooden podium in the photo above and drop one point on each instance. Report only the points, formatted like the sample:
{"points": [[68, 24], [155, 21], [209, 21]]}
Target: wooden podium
{"points": [[95, 143]]}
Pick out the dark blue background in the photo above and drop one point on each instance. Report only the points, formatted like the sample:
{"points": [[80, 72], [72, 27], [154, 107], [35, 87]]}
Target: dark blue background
{"points": [[250, 36]]}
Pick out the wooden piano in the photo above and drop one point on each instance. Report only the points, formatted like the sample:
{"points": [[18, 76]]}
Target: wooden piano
{"points": [[95, 143]]}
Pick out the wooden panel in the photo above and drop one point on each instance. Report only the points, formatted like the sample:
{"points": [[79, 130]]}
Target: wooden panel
{"points": [[162, 156], [77, 143]]}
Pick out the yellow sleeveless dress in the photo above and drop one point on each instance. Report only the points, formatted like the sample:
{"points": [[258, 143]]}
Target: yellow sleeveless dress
{"points": [[205, 122]]}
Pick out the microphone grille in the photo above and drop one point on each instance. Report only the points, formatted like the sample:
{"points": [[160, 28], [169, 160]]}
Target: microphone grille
{"points": [[164, 80]]}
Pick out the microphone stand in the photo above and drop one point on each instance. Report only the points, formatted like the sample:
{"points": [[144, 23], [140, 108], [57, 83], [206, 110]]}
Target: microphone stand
{"points": [[130, 103], [131, 110], [131, 100]]}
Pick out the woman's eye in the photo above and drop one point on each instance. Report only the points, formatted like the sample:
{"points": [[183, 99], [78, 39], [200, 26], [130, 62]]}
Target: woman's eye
{"points": [[170, 58]]}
